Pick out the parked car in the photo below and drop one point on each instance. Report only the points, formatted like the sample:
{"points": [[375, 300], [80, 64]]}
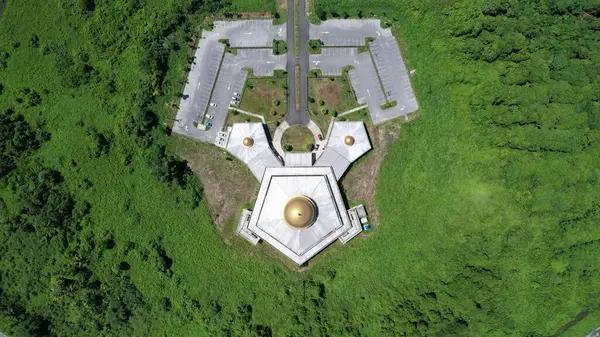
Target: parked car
{"points": [[320, 136], [209, 124], [213, 104], [210, 116], [235, 98], [235, 94], [233, 103]]}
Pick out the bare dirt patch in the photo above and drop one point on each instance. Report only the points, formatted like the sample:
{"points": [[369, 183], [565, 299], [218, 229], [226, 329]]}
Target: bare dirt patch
{"points": [[282, 4], [329, 92], [360, 182], [266, 97], [228, 184]]}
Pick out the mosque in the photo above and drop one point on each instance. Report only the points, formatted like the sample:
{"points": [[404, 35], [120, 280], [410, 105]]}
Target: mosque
{"points": [[299, 209]]}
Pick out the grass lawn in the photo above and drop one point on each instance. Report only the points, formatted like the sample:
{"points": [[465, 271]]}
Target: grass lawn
{"points": [[326, 96], [253, 6], [297, 138], [238, 117], [361, 115], [266, 96], [314, 46], [280, 47]]}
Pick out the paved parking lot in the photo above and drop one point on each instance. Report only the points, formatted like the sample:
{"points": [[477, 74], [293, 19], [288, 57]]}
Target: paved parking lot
{"points": [[365, 82], [394, 76], [332, 60], [196, 93], [247, 33], [262, 61], [231, 79], [347, 32], [206, 77]]}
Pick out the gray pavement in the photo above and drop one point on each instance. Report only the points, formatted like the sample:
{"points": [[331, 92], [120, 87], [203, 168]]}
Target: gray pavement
{"points": [[262, 61], [347, 32], [246, 33], [293, 115], [331, 61], [231, 78], [196, 94], [365, 82], [392, 71], [297, 116], [206, 78], [304, 30]]}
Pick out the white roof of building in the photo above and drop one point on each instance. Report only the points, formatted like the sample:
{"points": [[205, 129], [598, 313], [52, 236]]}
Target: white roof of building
{"points": [[281, 184], [259, 156], [337, 153], [298, 158]]}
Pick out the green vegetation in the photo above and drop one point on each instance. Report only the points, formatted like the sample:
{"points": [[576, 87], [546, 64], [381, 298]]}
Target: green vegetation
{"points": [[495, 177], [488, 202], [234, 116], [314, 73], [389, 105], [280, 14], [297, 138], [365, 48], [297, 86], [311, 15], [361, 115], [314, 46], [266, 96], [279, 47], [327, 97]]}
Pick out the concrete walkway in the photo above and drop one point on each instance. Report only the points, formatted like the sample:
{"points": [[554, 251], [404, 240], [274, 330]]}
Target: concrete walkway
{"points": [[316, 131], [352, 110], [277, 137], [250, 114]]}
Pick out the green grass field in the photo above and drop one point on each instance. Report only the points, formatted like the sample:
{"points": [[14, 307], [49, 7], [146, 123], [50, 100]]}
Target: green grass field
{"points": [[488, 202], [328, 96], [298, 138], [357, 116], [266, 96]]}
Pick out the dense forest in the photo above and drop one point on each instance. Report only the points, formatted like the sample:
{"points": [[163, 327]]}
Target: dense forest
{"points": [[489, 202]]}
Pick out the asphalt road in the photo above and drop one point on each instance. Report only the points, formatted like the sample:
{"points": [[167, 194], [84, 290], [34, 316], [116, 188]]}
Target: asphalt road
{"points": [[295, 116]]}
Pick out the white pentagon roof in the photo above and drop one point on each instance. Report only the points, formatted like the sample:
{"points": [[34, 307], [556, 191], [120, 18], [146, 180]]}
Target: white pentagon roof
{"points": [[277, 187]]}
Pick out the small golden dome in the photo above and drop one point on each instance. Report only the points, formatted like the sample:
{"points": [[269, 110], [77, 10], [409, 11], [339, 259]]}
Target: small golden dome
{"points": [[248, 142], [349, 140], [299, 212]]}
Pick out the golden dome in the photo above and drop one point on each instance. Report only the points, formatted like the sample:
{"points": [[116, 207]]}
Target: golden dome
{"points": [[248, 141], [349, 140], [299, 212]]}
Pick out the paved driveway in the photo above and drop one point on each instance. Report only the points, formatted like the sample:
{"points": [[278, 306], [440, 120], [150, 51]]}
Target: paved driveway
{"points": [[347, 32], [262, 61], [331, 61], [247, 33]]}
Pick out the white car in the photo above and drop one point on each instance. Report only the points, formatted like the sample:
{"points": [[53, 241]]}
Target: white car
{"points": [[235, 94], [213, 104], [210, 116], [233, 103], [235, 98]]}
